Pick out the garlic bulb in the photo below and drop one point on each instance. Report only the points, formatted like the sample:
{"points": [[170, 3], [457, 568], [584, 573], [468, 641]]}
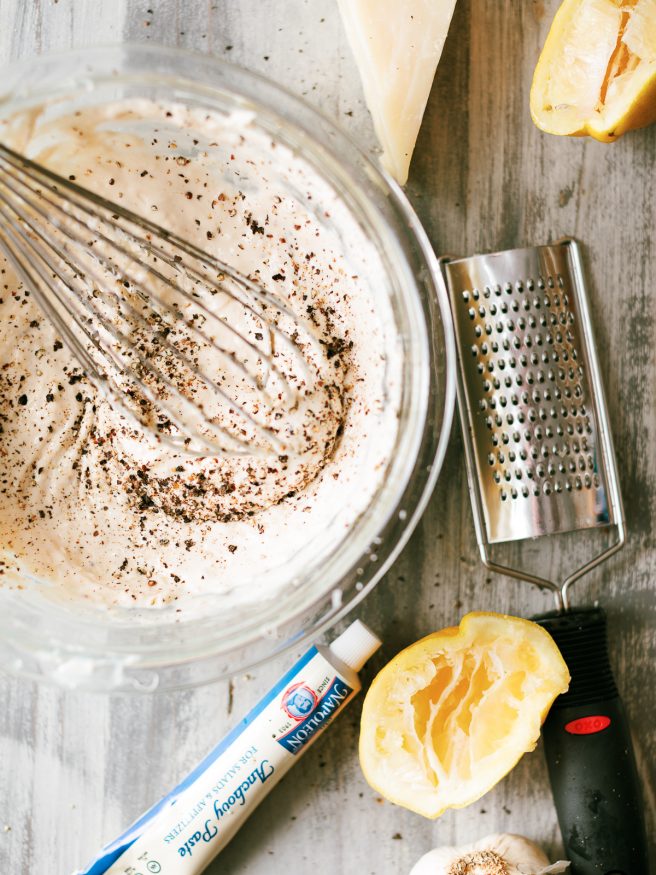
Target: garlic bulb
{"points": [[501, 854]]}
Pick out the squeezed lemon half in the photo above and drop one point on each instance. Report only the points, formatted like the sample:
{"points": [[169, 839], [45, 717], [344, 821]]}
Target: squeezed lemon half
{"points": [[449, 716], [596, 74]]}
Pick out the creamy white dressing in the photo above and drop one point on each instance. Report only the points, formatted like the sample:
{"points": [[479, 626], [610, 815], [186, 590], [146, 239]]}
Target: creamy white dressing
{"points": [[102, 514]]}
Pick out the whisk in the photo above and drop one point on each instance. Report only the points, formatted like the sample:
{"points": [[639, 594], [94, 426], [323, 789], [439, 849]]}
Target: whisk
{"points": [[181, 343]]}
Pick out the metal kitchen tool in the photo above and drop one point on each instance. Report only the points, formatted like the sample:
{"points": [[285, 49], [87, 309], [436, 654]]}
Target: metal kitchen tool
{"points": [[182, 343], [540, 461]]}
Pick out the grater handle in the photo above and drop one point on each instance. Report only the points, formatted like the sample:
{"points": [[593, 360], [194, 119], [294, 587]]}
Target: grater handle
{"points": [[590, 755]]}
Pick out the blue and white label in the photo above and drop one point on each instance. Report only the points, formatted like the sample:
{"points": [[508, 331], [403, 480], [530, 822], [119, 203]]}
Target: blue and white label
{"points": [[323, 710], [182, 833], [299, 701]]}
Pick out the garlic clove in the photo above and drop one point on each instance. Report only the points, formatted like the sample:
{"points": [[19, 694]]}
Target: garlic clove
{"points": [[499, 854]]}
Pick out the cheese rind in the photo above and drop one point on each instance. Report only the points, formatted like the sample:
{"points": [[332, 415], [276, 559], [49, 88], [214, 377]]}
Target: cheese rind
{"points": [[397, 45]]}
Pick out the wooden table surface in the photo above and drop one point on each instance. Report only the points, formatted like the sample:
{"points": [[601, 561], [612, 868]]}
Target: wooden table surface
{"points": [[76, 768]]}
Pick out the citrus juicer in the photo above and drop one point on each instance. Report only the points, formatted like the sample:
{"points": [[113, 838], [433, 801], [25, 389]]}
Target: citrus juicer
{"points": [[540, 461]]}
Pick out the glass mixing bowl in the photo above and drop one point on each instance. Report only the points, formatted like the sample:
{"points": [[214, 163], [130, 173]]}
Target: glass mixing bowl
{"points": [[45, 639]]}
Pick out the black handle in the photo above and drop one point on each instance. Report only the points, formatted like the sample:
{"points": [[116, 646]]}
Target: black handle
{"points": [[590, 755]]}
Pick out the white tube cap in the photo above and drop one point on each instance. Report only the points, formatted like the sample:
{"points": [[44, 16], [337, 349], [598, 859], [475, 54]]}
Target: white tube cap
{"points": [[355, 645]]}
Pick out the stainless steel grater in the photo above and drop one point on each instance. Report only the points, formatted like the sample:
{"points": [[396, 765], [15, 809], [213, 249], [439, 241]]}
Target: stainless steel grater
{"points": [[540, 461], [534, 420]]}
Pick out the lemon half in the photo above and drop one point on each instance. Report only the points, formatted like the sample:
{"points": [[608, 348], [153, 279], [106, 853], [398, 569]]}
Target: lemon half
{"points": [[449, 716], [596, 74]]}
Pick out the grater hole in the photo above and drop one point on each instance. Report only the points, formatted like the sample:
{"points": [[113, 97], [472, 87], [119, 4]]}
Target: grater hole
{"points": [[465, 297]]}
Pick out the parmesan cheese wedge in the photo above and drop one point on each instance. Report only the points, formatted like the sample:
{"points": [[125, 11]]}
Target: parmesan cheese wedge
{"points": [[397, 45]]}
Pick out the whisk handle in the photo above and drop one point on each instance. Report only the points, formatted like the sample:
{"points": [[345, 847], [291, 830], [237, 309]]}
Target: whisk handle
{"points": [[590, 755]]}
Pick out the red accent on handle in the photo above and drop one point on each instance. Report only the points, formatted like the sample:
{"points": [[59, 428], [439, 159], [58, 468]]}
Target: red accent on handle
{"points": [[587, 725]]}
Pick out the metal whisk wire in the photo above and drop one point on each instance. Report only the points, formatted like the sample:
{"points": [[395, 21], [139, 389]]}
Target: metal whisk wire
{"points": [[123, 334]]}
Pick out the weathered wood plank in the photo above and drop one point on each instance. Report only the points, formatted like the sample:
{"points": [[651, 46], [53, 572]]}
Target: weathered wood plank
{"points": [[76, 768]]}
